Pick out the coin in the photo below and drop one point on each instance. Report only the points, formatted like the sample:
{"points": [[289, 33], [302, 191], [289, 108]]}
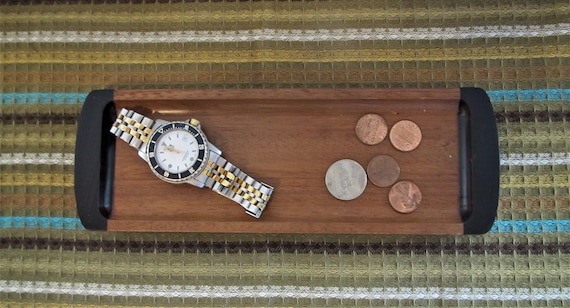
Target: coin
{"points": [[383, 170], [345, 179], [405, 135], [405, 197], [371, 129]]}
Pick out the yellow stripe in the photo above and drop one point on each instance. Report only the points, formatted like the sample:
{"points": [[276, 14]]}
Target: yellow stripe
{"points": [[534, 181], [244, 56], [66, 180], [38, 303], [55, 139], [128, 14], [36, 179]]}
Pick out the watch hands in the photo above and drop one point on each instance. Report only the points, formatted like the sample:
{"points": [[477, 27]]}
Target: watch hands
{"points": [[171, 148]]}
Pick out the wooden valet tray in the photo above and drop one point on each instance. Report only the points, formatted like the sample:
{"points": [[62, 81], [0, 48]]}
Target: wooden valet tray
{"points": [[288, 138]]}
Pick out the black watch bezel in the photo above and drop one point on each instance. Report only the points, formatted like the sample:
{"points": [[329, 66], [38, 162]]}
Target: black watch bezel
{"points": [[194, 170]]}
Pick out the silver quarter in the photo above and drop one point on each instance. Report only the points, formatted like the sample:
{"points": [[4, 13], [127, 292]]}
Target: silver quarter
{"points": [[346, 179]]}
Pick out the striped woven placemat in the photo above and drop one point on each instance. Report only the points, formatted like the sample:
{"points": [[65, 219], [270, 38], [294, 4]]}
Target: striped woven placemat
{"points": [[53, 52]]}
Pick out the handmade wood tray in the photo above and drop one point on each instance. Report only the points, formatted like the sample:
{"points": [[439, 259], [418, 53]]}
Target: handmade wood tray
{"points": [[288, 138]]}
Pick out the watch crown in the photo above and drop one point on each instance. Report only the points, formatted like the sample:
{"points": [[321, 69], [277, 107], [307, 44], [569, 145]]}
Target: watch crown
{"points": [[194, 122]]}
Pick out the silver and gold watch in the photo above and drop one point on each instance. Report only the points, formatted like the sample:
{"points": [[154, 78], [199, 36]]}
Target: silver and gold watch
{"points": [[179, 152]]}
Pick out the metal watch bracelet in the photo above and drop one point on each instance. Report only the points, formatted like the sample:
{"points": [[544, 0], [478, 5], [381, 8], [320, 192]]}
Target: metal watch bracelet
{"points": [[221, 176]]}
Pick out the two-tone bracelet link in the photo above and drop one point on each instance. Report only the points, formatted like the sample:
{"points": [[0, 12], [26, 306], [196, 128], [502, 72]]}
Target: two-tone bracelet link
{"points": [[214, 172]]}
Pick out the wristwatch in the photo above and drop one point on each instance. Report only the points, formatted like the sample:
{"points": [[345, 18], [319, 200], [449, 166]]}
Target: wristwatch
{"points": [[179, 152]]}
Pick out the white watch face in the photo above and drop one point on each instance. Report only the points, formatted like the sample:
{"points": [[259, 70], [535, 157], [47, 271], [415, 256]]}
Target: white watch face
{"points": [[177, 151]]}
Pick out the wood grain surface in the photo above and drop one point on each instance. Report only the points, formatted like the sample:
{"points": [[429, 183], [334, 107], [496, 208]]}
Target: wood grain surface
{"points": [[288, 138]]}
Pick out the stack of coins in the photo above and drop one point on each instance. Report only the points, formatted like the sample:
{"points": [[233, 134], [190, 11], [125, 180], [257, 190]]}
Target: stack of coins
{"points": [[346, 179]]}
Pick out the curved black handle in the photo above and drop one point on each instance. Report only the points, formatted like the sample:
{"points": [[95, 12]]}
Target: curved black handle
{"points": [[479, 161], [94, 160]]}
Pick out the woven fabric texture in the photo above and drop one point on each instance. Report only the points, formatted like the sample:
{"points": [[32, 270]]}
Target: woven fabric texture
{"points": [[53, 52]]}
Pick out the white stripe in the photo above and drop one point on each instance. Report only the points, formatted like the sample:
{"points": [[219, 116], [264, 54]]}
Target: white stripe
{"points": [[434, 33], [511, 159], [37, 158], [204, 291], [535, 159]]}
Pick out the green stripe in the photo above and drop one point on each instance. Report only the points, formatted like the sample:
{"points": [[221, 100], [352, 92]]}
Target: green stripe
{"points": [[522, 137], [354, 270], [554, 65], [317, 81], [294, 14], [41, 109], [487, 43], [78, 235], [531, 106], [106, 76], [38, 138], [152, 22]]}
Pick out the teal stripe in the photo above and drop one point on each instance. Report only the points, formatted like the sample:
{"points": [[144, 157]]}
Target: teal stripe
{"points": [[63, 223], [498, 96], [530, 226], [540, 95], [42, 98], [33, 222]]}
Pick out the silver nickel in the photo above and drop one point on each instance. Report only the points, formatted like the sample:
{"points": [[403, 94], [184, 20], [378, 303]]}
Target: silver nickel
{"points": [[346, 179]]}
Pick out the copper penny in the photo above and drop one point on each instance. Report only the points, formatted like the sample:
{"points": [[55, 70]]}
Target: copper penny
{"points": [[371, 129], [383, 170], [405, 135], [405, 197]]}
